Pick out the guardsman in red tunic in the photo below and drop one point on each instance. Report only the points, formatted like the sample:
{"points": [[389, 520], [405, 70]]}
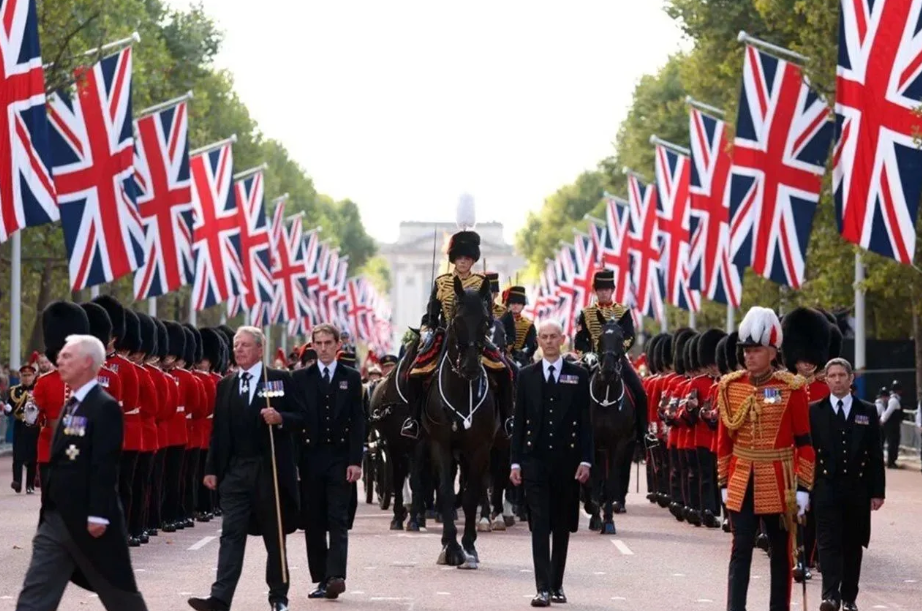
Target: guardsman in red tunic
{"points": [[210, 360], [171, 508], [658, 428], [688, 413], [649, 382], [765, 458], [166, 408], [675, 396], [149, 405], [59, 319], [194, 396]]}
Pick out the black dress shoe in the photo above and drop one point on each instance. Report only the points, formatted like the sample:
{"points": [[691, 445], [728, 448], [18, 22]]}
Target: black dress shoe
{"points": [[278, 606], [134, 542], [829, 605], [30, 490], [849, 607], [189, 523], [207, 604], [541, 599], [143, 538], [152, 532], [319, 592], [558, 597], [335, 587], [17, 486]]}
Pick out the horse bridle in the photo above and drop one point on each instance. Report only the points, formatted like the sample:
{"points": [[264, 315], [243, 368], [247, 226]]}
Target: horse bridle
{"points": [[455, 366], [605, 402]]}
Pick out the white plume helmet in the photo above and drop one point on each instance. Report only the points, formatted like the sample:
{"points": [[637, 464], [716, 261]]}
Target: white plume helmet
{"points": [[760, 327], [465, 215]]}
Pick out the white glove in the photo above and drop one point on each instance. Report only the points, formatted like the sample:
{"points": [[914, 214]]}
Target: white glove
{"points": [[723, 495], [803, 501]]}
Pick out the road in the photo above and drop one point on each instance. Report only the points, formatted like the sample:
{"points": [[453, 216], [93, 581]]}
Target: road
{"points": [[653, 562]]}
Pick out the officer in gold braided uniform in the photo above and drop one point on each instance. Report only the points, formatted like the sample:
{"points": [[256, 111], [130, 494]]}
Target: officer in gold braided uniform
{"points": [[765, 457], [24, 414], [499, 309], [521, 337], [463, 252]]}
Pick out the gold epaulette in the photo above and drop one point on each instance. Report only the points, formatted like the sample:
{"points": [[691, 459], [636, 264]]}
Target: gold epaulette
{"points": [[793, 380], [733, 376]]}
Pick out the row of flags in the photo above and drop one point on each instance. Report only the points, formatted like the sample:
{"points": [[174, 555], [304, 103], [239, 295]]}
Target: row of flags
{"points": [[133, 199], [716, 207]]}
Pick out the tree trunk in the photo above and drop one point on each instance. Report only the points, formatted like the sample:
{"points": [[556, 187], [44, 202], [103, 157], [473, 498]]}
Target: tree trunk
{"points": [[36, 341]]}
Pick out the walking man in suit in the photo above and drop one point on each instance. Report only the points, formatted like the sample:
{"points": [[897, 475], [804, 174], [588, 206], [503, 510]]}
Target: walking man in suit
{"points": [[331, 459], [849, 483], [81, 534], [552, 450], [240, 466]]}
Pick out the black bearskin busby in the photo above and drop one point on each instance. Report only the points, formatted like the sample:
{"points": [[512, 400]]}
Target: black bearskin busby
{"points": [[177, 339], [163, 339], [653, 364], [228, 334], [60, 319], [515, 294], [664, 353], [192, 350], [116, 312], [835, 335], [691, 353], [679, 339], [100, 323], [211, 347], [721, 356], [733, 363], [806, 338], [464, 244], [493, 279], [130, 341], [148, 333], [707, 347]]}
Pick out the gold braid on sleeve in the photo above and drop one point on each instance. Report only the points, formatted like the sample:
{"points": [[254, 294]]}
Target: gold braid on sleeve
{"points": [[733, 421]]}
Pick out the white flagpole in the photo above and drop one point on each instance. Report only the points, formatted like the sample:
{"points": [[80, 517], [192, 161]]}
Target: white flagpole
{"points": [[15, 301], [94, 291], [152, 306], [691, 320], [731, 322], [192, 313], [860, 329]]}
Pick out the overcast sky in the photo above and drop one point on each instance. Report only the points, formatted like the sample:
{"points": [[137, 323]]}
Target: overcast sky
{"points": [[403, 105]]}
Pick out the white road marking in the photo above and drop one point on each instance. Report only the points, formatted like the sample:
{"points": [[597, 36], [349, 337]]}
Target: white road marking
{"points": [[7, 597], [599, 573], [618, 598], [704, 600], [389, 598], [678, 574], [444, 593], [358, 592], [524, 570], [909, 581], [880, 607], [622, 547], [185, 593], [370, 568], [200, 543]]}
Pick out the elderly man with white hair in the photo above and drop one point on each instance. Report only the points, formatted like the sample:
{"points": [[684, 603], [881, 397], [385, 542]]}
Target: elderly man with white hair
{"points": [[82, 535]]}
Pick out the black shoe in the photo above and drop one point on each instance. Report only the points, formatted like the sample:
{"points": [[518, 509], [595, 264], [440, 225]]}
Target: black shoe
{"points": [[30, 490], [335, 587], [168, 527], [207, 604], [829, 605], [558, 597], [143, 538], [189, 523], [319, 592], [278, 606], [179, 524], [17, 486], [410, 428], [849, 607], [541, 599], [134, 542], [709, 520], [152, 532], [726, 525]]}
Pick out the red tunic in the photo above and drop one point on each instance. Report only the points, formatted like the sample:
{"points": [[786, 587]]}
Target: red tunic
{"points": [[684, 432], [209, 390], [127, 397], [166, 404], [49, 397], [147, 398], [817, 391], [702, 434], [187, 404]]}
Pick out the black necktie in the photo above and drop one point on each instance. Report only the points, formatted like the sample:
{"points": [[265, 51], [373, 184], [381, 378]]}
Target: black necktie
{"points": [[326, 376], [71, 406], [841, 411], [245, 384], [550, 375]]}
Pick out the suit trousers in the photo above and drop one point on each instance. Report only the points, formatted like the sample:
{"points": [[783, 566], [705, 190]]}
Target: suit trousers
{"points": [[126, 467], [707, 478], [840, 545], [745, 525], [892, 433], [155, 517], [30, 472], [550, 495], [138, 494], [325, 497], [239, 495], [55, 556], [171, 509]]}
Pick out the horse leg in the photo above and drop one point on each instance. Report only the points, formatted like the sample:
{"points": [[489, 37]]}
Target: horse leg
{"points": [[451, 554], [476, 468], [610, 491], [593, 492], [483, 524], [398, 468], [417, 504]]}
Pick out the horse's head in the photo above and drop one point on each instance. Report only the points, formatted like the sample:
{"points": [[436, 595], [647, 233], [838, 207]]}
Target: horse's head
{"points": [[611, 351], [468, 329]]}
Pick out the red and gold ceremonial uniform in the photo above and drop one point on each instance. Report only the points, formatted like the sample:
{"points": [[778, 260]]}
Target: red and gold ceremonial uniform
{"points": [[50, 394]]}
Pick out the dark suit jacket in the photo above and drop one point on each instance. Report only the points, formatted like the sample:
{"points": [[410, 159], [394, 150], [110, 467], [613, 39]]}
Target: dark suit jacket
{"points": [[529, 415], [82, 483], [220, 453], [865, 462], [347, 425]]}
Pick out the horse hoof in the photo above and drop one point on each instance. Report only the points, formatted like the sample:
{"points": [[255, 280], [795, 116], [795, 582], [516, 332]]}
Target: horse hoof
{"points": [[608, 528], [483, 526], [470, 564], [454, 555], [595, 523], [443, 557], [396, 525], [498, 524], [509, 520], [412, 526]]}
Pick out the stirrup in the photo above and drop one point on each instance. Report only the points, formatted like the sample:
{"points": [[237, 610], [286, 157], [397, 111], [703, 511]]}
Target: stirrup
{"points": [[507, 426], [410, 428]]}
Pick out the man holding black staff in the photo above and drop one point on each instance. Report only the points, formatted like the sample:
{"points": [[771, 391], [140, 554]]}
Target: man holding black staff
{"points": [[849, 483], [552, 450], [330, 459], [242, 466]]}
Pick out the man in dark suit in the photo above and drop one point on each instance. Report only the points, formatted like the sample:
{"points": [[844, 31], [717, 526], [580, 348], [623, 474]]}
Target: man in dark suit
{"points": [[331, 459], [552, 450], [255, 409], [81, 535], [849, 483]]}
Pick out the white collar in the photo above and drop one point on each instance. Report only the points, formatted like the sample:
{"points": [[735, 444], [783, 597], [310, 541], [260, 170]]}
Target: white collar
{"points": [[255, 371], [331, 368], [81, 393], [558, 364], [846, 402]]}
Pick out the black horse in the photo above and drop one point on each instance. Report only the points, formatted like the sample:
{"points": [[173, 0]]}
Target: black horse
{"points": [[614, 428], [460, 419]]}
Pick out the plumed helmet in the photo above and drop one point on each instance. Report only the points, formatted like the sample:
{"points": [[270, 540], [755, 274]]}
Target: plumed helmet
{"points": [[148, 332], [806, 338], [131, 340], [691, 353], [211, 347], [730, 351], [760, 327], [679, 339], [664, 353], [603, 279], [707, 347], [228, 334], [116, 312], [721, 356], [60, 319], [193, 345], [464, 244], [177, 343], [100, 323], [163, 339]]}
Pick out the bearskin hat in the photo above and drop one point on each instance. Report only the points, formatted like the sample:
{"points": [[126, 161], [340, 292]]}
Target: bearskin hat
{"points": [[177, 339], [691, 353], [100, 323], [807, 334], [707, 347], [515, 294], [60, 319], [730, 351], [193, 345], [679, 339], [163, 339], [211, 347], [116, 312], [720, 353], [664, 353], [224, 354], [131, 340], [835, 335], [650, 352], [464, 244], [604, 279], [228, 334], [148, 332]]}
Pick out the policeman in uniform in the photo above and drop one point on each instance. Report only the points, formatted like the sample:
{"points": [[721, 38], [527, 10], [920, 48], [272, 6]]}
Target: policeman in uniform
{"points": [[522, 340], [24, 413], [765, 458]]}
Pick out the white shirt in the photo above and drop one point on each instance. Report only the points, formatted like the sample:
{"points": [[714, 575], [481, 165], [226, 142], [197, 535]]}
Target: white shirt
{"points": [[846, 404], [557, 365], [892, 405], [331, 368], [881, 406], [255, 372]]}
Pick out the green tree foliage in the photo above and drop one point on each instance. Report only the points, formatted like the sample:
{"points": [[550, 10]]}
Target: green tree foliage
{"points": [[175, 55]]}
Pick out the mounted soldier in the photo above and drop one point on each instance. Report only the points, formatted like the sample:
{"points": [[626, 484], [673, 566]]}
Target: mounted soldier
{"points": [[522, 339], [499, 309], [463, 253]]}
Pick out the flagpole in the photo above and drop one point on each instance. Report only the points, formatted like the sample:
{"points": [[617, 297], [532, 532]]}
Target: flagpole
{"points": [[703, 107], [94, 291], [771, 49], [692, 320], [124, 42], [157, 107], [15, 300], [251, 171], [675, 148], [152, 306], [210, 147], [193, 316], [731, 316], [860, 329]]}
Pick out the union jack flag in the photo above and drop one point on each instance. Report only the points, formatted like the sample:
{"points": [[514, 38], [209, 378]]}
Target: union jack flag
{"points": [[161, 164], [779, 156], [255, 247], [216, 233], [615, 251], [712, 271], [93, 148], [290, 274], [584, 268], [877, 162], [27, 193], [672, 211], [645, 252]]}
